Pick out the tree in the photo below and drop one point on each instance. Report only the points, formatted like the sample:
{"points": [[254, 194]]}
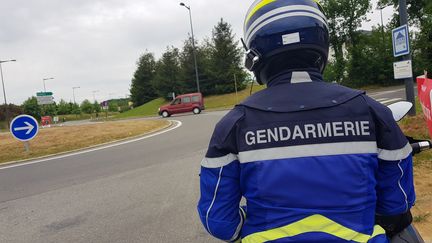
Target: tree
{"points": [[31, 107], [87, 107], [344, 18], [370, 61], [167, 78], [11, 110], [96, 107], [112, 106], [187, 67], [225, 60], [64, 108], [141, 88], [75, 108]]}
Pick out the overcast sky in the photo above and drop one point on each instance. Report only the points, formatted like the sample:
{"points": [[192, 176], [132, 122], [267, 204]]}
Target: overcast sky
{"points": [[94, 44]]}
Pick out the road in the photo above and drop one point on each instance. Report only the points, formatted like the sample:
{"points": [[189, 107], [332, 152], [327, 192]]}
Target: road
{"points": [[145, 191]]}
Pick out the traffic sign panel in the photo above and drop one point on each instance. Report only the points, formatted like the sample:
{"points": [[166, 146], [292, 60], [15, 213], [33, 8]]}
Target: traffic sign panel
{"points": [[41, 94], [24, 127], [401, 41], [45, 100]]}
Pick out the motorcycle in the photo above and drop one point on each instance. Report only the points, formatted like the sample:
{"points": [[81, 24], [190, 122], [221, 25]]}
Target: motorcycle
{"points": [[400, 110]]}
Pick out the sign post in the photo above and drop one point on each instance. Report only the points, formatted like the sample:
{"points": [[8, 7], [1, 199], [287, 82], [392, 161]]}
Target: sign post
{"points": [[24, 128], [401, 48]]}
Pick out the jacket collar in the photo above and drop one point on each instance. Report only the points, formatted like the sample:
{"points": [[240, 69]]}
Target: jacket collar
{"points": [[295, 77], [299, 91]]}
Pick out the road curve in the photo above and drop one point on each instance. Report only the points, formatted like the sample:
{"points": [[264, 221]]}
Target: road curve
{"points": [[144, 191], [138, 192]]}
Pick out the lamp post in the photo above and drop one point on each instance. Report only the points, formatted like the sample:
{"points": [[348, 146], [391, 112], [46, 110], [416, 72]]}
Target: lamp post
{"points": [[379, 7], [1, 72], [73, 92], [193, 46], [4, 90], [45, 79], [94, 94]]}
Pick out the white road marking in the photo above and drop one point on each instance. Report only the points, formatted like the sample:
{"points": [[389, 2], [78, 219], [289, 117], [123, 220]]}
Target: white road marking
{"points": [[18, 164], [391, 101], [380, 100], [385, 92]]}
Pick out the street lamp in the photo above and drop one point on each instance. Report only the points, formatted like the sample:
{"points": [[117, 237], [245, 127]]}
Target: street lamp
{"points": [[193, 45], [379, 7], [73, 92], [1, 72], [45, 79], [94, 94], [4, 90]]}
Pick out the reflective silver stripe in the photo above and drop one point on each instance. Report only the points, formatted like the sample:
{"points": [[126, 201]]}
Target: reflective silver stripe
{"points": [[239, 227], [213, 163], [214, 199], [300, 77], [278, 11], [251, 32], [395, 155], [400, 186], [308, 151]]}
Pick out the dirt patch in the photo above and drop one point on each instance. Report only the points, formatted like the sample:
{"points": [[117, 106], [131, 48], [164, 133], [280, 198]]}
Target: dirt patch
{"points": [[63, 139], [422, 211]]}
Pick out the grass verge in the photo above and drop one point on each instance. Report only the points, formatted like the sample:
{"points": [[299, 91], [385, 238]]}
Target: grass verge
{"points": [[416, 127], [63, 139], [214, 102], [148, 109]]}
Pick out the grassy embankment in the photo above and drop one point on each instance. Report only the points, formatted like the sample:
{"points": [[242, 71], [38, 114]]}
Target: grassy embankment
{"points": [[63, 139], [211, 103], [416, 127]]}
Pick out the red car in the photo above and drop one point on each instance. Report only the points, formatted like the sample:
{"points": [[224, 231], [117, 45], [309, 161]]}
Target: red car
{"points": [[183, 103]]}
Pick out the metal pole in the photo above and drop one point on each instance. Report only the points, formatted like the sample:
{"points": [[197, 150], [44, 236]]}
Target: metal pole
{"points": [[73, 93], [4, 91], [194, 49], [44, 85], [382, 25], [5, 102], [409, 82], [235, 86]]}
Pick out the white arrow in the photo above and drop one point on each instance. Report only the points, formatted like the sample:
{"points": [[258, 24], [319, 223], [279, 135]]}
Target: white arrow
{"points": [[29, 128]]}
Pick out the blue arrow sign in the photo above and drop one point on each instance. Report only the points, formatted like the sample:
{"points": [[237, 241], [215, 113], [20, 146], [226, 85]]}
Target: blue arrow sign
{"points": [[24, 127]]}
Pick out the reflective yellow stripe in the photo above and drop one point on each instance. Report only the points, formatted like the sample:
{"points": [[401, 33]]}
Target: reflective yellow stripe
{"points": [[258, 7], [378, 230], [314, 223]]}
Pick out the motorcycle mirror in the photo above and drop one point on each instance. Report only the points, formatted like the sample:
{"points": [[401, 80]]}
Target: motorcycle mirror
{"points": [[400, 109]]}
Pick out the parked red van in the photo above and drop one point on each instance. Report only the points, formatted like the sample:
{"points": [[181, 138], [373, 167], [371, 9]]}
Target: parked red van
{"points": [[183, 103]]}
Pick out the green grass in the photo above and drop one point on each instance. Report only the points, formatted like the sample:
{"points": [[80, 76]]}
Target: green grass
{"points": [[227, 101], [3, 126], [421, 218], [148, 109], [214, 102]]}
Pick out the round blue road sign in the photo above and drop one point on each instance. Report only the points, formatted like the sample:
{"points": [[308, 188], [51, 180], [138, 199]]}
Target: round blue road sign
{"points": [[24, 127]]}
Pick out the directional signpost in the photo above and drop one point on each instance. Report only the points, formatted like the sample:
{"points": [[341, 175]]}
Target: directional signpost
{"points": [[24, 128], [45, 98]]}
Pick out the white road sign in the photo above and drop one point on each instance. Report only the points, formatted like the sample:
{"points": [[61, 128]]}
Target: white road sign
{"points": [[401, 41], [45, 100], [403, 70]]}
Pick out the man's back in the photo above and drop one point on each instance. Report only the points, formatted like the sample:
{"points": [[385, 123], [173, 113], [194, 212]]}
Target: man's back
{"points": [[306, 157]]}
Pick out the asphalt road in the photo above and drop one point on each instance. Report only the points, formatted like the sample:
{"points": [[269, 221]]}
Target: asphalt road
{"points": [[145, 191]]}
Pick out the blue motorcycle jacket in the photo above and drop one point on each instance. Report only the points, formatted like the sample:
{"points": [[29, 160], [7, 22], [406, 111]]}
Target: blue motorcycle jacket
{"points": [[314, 162]]}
